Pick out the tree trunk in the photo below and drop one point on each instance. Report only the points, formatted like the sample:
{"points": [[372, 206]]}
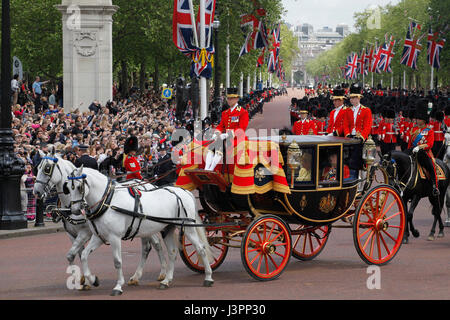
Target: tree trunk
{"points": [[124, 79], [156, 76], [142, 76]]}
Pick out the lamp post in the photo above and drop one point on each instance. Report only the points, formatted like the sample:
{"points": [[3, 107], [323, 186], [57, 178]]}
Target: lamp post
{"points": [[11, 167]]}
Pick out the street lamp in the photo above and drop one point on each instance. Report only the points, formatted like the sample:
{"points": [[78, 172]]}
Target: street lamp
{"points": [[11, 167]]}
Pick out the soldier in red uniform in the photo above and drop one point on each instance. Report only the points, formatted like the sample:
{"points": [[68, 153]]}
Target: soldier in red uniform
{"points": [[233, 119], [438, 126], [340, 123], [130, 162], [447, 117], [321, 122], [421, 142], [304, 126], [360, 127], [388, 133]]}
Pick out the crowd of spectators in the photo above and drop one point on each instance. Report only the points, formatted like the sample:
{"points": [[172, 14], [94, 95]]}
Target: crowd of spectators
{"points": [[39, 121]]}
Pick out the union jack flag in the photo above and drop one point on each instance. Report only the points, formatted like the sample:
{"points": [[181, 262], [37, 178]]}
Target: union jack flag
{"points": [[434, 49], [256, 38], [185, 37], [210, 10], [352, 66], [369, 59], [386, 55], [275, 50], [412, 47], [376, 60], [362, 66], [183, 27]]}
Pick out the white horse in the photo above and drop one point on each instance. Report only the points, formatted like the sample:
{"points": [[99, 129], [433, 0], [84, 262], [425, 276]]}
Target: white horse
{"points": [[447, 162], [53, 171], [115, 211]]}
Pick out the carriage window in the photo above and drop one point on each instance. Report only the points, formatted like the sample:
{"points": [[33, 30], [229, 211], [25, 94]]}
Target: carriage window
{"points": [[300, 167], [329, 166], [305, 171]]}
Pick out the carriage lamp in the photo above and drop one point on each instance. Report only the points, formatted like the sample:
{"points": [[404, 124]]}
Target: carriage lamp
{"points": [[293, 159], [369, 153]]}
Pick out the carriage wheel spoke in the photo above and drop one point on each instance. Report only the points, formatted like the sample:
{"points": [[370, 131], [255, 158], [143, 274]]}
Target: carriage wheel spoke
{"points": [[368, 238], [385, 245], [393, 216], [274, 263], [387, 210]]}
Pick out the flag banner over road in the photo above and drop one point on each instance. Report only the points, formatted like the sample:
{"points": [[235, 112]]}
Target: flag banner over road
{"points": [[186, 40], [257, 36], [274, 51], [386, 55], [412, 46], [435, 47]]}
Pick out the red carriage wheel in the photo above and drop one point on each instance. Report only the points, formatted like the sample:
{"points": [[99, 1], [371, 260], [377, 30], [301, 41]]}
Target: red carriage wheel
{"points": [[219, 249], [266, 248], [308, 242], [379, 225]]}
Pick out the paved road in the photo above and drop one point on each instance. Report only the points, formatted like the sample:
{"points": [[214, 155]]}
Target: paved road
{"points": [[34, 267]]}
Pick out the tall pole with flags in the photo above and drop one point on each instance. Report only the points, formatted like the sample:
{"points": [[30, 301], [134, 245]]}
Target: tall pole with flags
{"points": [[203, 83]]}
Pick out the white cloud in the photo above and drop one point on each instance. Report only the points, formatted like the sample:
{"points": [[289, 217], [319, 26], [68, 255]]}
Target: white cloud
{"points": [[329, 13]]}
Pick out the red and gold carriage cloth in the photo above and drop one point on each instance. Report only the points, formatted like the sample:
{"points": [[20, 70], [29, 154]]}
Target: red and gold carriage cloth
{"points": [[255, 167]]}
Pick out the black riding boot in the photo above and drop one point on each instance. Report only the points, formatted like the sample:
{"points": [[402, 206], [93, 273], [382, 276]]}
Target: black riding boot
{"points": [[426, 162]]}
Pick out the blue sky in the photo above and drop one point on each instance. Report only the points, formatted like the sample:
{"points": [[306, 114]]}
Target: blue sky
{"points": [[330, 13]]}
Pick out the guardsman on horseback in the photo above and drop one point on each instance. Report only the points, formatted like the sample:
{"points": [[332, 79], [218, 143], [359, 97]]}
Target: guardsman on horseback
{"points": [[130, 161], [421, 142]]}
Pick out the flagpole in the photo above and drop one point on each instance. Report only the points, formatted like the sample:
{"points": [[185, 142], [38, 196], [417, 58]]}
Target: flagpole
{"points": [[432, 78], [228, 67], [203, 83], [404, 79], [194, 29]]}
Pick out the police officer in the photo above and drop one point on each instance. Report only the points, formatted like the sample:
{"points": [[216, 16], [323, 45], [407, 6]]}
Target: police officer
{"points": [[85, 160]]}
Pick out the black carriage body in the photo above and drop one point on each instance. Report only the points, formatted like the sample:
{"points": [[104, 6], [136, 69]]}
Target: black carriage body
{"points": [[312, 202]]}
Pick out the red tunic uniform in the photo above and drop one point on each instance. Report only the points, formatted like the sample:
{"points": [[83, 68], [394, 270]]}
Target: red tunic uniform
{"points": [[304, 127], [363, 121], [233, 120], [388, 133], [321, 127], [342, 123], [133, 168], [438, 130]]}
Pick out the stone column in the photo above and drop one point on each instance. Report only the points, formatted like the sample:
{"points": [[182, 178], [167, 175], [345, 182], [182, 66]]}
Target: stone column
{"points": [[87, 52]]}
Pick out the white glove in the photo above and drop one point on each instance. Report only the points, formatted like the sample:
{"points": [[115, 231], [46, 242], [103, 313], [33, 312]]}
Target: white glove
{"points": [[223, 136], [330, 134], [416, 149], [214, 137]]}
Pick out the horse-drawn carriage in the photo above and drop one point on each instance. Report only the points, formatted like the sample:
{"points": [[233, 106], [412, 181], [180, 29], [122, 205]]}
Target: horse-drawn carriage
{"points": [[270, 225]]}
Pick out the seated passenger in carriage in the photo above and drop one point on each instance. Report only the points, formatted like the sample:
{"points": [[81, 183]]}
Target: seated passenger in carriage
{"points": [[330, 171], [304, 174]]}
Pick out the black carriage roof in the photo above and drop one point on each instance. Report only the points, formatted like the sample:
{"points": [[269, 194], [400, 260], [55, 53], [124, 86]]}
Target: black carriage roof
{"points": [[308, 140]]}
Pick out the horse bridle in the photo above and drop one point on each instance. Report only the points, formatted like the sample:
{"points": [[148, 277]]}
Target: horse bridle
{"points": [[81, 188], [48, 171]]}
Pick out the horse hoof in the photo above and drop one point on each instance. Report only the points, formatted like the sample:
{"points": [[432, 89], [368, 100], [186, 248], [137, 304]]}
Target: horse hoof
{"points": [[440, 235], [85, 287], [208, 283], [405, 241], [415, 233], [161, 277], [163, 286], [96, 282], [133, 282], [431, 238], [116, 293], [82, 280]]}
